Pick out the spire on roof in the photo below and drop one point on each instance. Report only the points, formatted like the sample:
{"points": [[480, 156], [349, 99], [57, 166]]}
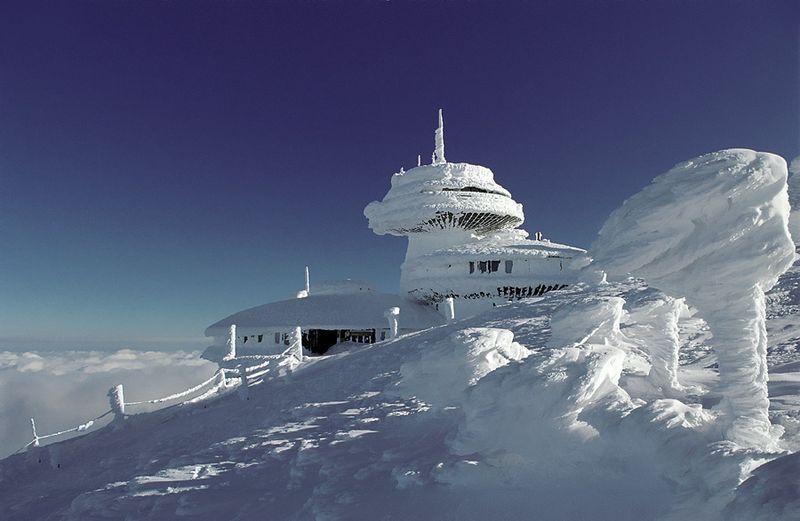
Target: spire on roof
{"points": [[438, 153]]}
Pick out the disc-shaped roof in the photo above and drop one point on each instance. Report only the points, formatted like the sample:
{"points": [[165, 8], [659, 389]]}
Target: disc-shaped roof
{"points": [[363, 310]]}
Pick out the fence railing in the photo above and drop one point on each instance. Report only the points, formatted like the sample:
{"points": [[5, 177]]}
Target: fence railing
{"points": [[242, 376]]}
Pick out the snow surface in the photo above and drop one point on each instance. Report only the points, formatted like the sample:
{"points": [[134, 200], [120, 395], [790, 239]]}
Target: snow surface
{"points": [[495, 417]]}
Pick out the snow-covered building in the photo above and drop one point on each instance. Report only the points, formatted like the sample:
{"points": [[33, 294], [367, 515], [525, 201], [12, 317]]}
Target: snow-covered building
{"points": [[464, 244], [342, 311], [463, 237]]}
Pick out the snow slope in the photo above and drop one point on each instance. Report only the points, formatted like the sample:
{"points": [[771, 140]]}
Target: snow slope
{"points": [[363, 434]]}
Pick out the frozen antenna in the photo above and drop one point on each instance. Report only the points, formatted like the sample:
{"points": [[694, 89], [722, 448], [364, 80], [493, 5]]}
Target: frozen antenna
{"points": [[438, 153]]}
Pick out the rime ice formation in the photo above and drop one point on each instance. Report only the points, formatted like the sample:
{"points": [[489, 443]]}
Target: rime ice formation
{"points": [[439, 375], [463, 240], [550, 392], [438, 152], [656, 325], [714, 230]]}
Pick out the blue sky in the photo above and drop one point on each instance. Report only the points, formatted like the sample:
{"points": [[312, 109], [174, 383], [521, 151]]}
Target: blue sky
{"points": [[164, 164]]}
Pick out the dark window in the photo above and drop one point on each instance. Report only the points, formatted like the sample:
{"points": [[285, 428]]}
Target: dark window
{"points": [[260, 338], [245, 340], [509, 265], [471, 267], [483, 266], [494, 265]]}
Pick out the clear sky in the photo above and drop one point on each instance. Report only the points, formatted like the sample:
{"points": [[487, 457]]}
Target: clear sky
{"points": [[165, 164]]}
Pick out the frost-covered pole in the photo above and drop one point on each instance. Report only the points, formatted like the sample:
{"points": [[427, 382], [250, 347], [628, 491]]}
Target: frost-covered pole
{"points": [[297, 342], [303, 293], [450, 308], [116, 398], [35, 436], [392, 315], [438, 153], [244, 387], [231, 354], [419, 160]]}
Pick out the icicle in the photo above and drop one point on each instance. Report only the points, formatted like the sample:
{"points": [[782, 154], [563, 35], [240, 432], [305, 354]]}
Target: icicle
{"points": [[231, 354], [438, 153], [419, 160]]}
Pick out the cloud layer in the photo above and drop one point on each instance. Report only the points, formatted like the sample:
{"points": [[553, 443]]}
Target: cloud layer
{"points": [[63, 389]]}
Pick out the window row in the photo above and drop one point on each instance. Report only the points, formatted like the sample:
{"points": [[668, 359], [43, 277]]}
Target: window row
{"points": [[489, 266]]}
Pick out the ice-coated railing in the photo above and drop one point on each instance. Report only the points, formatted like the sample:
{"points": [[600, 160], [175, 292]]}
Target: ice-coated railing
{"points": [[241, 376]]}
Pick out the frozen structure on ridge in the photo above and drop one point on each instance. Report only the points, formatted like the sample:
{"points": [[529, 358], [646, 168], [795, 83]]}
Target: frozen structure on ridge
{"points": [[715, 231], [327, 313], [463, 237]]}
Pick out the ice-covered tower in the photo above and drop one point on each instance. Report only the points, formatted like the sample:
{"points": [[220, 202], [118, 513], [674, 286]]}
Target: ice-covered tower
{"points": [[451, 213], [443, 204]]}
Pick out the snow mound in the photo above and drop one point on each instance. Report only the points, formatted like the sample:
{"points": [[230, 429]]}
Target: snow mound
{"points": [[550, 390], [443, 371], [589, 320]]}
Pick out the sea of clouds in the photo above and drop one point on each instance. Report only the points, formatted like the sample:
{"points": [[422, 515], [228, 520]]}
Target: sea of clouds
{"points": [[66, 388]]}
